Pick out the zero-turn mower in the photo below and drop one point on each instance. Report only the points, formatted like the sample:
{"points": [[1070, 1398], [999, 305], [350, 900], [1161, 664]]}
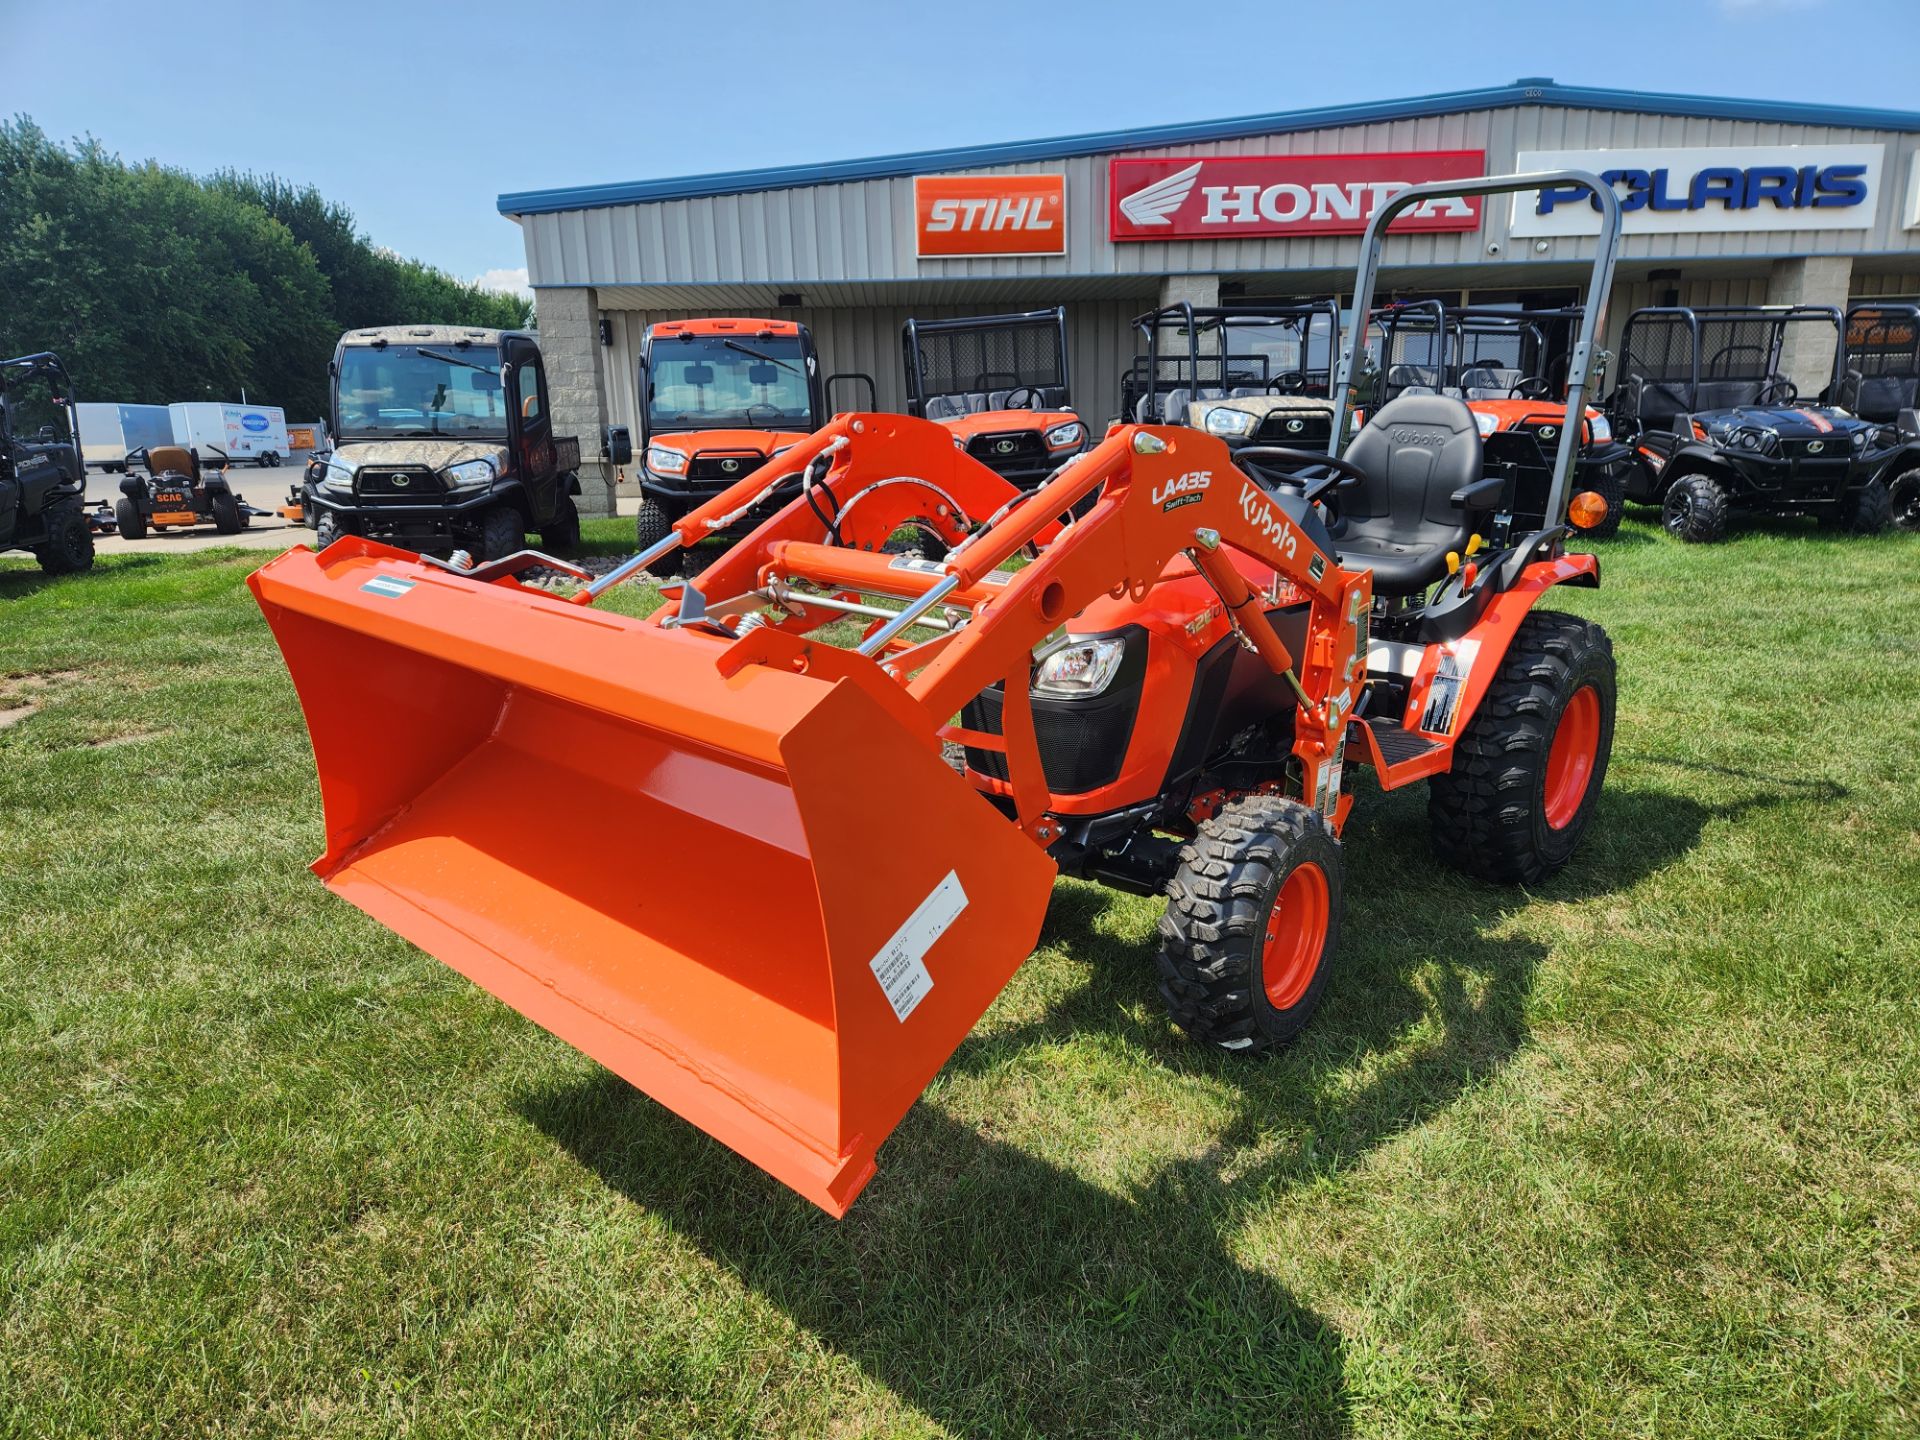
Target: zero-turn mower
{"points": [[172, 490], [1167, 697]]}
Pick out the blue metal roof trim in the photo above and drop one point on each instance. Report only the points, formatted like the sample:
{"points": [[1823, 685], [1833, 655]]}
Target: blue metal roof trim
{"points": [[882, 167]]}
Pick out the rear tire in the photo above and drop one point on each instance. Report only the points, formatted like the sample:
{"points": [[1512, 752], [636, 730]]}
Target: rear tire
{"points": [[1903, 498], [69, 545], [1695, 510], [563, 536], [501, 533], [226, 514], [127, 517], [650, 528], [1528, 768], [1867, 511], [1252, 921]]}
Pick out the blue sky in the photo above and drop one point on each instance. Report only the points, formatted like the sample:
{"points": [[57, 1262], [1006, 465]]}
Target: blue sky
{"points": [[418, 116]]}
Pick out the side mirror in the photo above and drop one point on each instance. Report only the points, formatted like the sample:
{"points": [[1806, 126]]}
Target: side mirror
{"points": [[616, 443]]}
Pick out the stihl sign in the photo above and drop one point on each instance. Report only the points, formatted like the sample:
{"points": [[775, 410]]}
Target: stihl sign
{"points": [[1225, 197], [990, 214]]}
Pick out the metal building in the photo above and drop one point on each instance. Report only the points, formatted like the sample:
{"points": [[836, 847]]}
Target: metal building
{"points": [[1728, 201]]}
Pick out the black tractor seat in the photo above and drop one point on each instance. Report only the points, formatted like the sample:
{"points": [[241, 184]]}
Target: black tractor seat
{"points": [[1425, 494]]}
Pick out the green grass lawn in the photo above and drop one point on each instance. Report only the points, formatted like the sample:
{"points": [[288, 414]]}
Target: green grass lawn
{"points": [[1634, 1155]]}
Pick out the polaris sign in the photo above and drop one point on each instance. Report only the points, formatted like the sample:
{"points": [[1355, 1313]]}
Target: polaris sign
{"points": [[1721, 188]]}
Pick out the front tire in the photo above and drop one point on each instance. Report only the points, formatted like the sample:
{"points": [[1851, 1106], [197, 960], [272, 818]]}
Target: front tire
{"points": [[650, 528], [500, 533], [1903, 500], [1695, 510], [1252, 921], [128, 519], [563, 536], [69, 545], [326, 529], [1528, 768], [1867, 511]]}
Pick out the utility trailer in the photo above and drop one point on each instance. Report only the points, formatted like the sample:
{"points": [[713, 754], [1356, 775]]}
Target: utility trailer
{"points": [[237, 434], [109, 433]]}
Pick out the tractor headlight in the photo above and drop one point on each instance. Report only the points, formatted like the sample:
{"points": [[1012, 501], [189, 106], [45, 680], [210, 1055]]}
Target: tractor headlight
{"points": [[1486, 424], [1078, 668], [338, 477], [471, 474], [1061, 436], [664, 461], [1224, 420], [1599, 430]]}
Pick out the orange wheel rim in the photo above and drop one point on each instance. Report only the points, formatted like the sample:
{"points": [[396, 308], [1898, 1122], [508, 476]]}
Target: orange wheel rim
{"points": [[1296, 934], [1576, 745]]}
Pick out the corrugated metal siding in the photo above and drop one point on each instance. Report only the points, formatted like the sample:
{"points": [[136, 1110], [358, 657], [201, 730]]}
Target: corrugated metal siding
{"points": [[867, 339], [864, 231]]}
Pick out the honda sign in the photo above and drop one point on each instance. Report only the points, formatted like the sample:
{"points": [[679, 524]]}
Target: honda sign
{"points": [[990, 215], [1229, 197]]}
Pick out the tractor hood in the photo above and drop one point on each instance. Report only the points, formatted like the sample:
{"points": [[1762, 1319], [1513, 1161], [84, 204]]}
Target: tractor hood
{"points": [[357, 455]]}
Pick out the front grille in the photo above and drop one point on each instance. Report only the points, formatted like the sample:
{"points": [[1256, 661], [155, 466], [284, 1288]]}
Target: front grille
{"points": [[1009, 450], [1831, 449], [1083, 743], [724, 468], [399, 485], [1296, 432]]}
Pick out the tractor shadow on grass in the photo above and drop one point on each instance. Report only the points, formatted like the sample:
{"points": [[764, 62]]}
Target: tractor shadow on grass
{"points": [[999, 1293], [19, 581]]}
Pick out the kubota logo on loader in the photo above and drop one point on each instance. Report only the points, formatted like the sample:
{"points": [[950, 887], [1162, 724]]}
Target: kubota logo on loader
{"points": [[1274, 527], [990, 214], [1182, 489]]}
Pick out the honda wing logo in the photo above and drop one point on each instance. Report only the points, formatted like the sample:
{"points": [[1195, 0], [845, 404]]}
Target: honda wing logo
{"points": [[1154, 204]]}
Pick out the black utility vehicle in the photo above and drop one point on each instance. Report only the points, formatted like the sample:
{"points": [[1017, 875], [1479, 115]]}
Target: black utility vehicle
{"points": [[1717, 426], [43, 484], [1877, 377], [167, 487], [443, 439]]}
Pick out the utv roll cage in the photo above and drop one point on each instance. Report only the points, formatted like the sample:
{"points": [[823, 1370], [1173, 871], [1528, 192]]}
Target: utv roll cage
{"points": [[975, 363], [1876, 366], [1170, 383], [1678, 360], [1474, 352], [23, 370]]}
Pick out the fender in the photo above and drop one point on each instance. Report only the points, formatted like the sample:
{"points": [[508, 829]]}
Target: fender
{"points": [[133, 487], [1906, 458], [1480, 649]]}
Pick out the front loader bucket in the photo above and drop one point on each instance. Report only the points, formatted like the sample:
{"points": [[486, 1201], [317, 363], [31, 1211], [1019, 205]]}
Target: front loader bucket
{"points": [[762, 899]]}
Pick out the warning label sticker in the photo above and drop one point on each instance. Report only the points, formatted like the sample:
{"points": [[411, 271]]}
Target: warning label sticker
{"points": [[388, 586], [901, 965]]}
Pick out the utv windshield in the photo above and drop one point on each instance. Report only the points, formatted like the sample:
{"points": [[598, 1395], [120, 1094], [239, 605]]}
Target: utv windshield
{"points": [[711, 382], [412, 390]]}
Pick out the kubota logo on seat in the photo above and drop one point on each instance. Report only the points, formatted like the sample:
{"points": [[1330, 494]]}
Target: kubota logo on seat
{"points": [[1182, 489], [990, 214], [1408, 435]]}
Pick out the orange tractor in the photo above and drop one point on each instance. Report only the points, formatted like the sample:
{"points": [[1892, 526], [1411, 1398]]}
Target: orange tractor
{"points": [[1167, 696]]}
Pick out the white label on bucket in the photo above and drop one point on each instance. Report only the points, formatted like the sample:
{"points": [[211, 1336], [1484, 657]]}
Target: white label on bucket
{"points": [[901, 965]]}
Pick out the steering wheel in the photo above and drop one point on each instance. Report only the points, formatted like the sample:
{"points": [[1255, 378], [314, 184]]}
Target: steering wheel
{"points": [[1779, 391], [778, 413], [1533, 387], [1013, 402], [1312, 487], [1288, 382]]}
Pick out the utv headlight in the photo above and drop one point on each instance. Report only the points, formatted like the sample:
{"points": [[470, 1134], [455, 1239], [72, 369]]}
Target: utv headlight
{"points": [[663, 461], [1061, 436], [1223, 420], [338, 478], [1860, 439], [1600, 430], [1079, 668], [1486, 424], [471, 474], [1747, 439]]}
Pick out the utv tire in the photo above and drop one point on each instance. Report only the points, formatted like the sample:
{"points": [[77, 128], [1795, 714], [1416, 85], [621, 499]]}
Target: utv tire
{"points": [[226, 514], [501, 533], [1529, 766], [563, 536], [1903, 498], [1251, 925], [1867, 511], [1610, 487], [69, 545], [326, 529], [1695, 510], [127, 517], [650, 528]]}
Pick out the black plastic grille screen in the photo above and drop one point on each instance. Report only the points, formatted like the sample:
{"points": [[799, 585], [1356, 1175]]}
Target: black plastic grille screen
{"points": [[1658, 347], [1497, 347], [1883, 342], [962, 362]]}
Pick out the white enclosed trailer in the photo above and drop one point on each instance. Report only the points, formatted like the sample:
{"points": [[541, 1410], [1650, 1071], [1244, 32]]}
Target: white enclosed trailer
{"points": [[241, 433], [109, 432]]}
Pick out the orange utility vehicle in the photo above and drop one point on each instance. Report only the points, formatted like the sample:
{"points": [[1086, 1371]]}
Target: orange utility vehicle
{"points": [[718, 399], [1000, 385], [1165, 697]]}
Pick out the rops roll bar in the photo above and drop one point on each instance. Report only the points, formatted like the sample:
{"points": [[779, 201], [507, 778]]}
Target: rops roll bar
{"points": [[1593, 317]]}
